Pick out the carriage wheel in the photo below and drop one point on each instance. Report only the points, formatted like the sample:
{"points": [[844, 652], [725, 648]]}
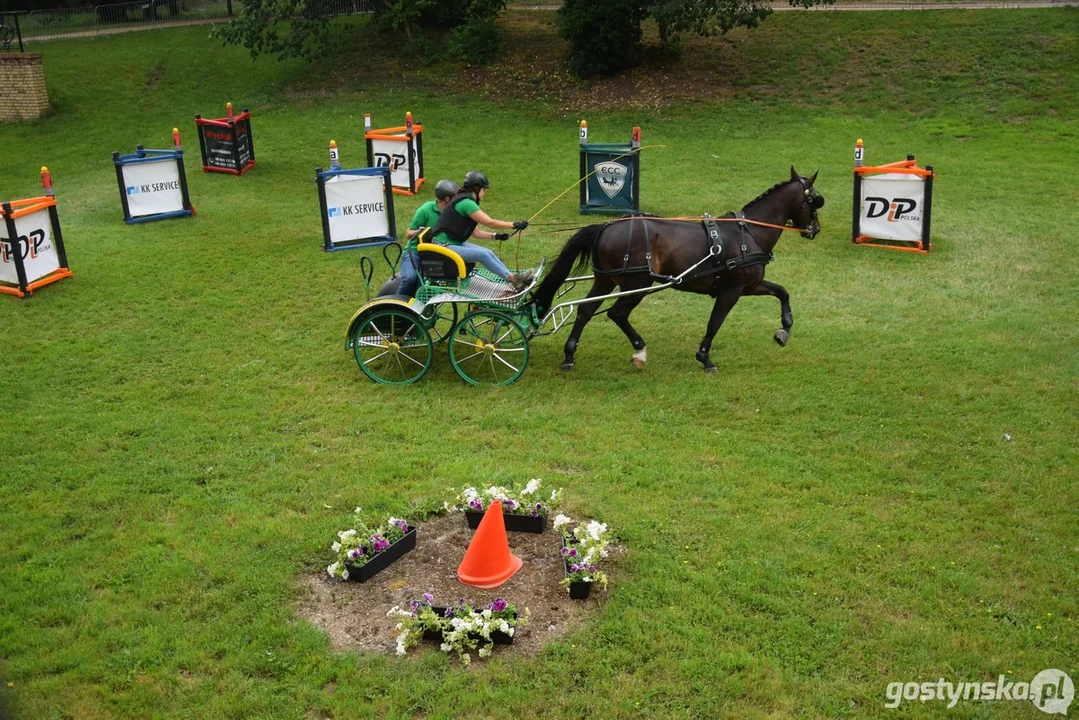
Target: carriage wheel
{"points": [[439, 320], [488, 348], [393, 347]]}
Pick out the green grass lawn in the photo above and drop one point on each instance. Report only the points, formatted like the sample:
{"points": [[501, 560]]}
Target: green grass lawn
{"points": [[182, 430]]}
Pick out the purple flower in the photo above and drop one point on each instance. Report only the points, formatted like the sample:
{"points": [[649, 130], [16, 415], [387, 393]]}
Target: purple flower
{"points": [[565, 552], [414, 606], [511, 504], [574, 568], [591, 568], [573, 552], [539, 506], [353, 554], [429, 598], [498, 605], [403, 525], [534, 513], [379, 543], [449, 612]]}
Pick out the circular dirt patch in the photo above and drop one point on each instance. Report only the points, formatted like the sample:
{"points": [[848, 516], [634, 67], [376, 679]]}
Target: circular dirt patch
{"points": [[354, 614]]}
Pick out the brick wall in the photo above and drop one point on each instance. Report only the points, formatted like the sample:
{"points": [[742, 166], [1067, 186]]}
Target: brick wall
{"points": [[22, 87]]}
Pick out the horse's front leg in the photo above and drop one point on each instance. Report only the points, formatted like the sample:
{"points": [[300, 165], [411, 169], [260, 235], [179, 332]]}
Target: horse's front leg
{"points": [[786, 318], [725, 302]]}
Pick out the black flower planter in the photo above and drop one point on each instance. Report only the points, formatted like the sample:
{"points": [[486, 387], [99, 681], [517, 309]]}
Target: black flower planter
{"points": [[514, 522], [384, 559], [578, 589], [497, 636]]}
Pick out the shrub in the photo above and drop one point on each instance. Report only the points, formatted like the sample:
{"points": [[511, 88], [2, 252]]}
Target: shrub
{"points": [[604, 35], [477, 42]]}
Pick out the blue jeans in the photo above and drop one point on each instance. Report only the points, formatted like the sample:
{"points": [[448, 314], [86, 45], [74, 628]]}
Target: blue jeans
{"points": [[473, 253], [409, 280]]}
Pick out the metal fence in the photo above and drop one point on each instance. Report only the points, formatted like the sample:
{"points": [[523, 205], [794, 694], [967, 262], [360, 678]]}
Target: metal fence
{"points": [[39, 25]]}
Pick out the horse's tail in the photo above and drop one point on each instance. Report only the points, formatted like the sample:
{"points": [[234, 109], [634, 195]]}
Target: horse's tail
{"points": [[577, 251]]}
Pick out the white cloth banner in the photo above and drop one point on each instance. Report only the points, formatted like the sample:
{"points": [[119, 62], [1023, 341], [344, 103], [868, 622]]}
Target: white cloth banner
{"points": [[394, 155], [356, 208], [892, 206], [34, 245], [153, 187]]}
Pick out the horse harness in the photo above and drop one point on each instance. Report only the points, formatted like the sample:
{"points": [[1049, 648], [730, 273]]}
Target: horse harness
{"points": [[741, 251]]}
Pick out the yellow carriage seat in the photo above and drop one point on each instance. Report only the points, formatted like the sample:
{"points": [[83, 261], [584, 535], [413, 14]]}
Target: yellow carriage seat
{"points": [[438, 262]]}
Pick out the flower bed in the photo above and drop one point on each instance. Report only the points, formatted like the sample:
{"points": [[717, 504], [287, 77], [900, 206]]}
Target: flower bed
{"points": [[363, 552], [522, 508], [582, 548], [459, 628]]}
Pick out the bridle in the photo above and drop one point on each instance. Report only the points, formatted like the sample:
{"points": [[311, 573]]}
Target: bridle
{"points": [[814, 202]]}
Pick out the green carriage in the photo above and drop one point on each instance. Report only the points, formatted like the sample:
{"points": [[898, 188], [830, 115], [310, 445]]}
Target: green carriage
{"points": [[484, 323]]}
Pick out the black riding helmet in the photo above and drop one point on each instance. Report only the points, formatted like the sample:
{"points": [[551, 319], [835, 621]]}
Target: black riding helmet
{"points": [[475, 180], [445, 189]]}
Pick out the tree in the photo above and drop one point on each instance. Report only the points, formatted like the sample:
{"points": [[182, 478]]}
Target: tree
{"points": [[605, 35], [300, 28]]}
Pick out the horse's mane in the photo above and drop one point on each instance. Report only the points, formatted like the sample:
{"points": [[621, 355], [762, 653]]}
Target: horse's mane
{"points": [[766, 193]]}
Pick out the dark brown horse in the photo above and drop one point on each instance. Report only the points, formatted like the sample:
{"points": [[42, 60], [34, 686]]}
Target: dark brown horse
{"points": [[725, 259]]}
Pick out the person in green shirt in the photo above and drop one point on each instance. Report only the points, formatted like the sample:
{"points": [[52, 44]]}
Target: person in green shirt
{"points": [[426, 216], [458, 224]]}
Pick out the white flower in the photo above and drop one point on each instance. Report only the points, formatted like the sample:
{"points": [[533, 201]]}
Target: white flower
{"points": [[531, 487], [393, 610], [466, 659], [485, 651], [596, 528], [487, 613], [445, 647], [554, 495], [401, 642], [504, 627], [336, 547], [510, 632], [394, 521], [561, 520], [344, 574], [331, 570], [346, 534], [357, 510]]}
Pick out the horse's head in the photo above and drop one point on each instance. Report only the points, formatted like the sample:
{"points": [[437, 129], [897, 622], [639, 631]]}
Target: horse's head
{"points": [[804, 214]]}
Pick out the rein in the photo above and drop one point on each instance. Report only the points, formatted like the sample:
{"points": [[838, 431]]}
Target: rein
{"points": [[701, 218]]}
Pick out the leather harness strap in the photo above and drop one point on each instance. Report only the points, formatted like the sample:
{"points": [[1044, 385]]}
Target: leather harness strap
{"points": [[723, 259]]}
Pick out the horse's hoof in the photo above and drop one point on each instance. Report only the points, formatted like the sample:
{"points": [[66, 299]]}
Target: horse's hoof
{"points": [[638, 363], [781, 337], [567, 366], [711, 370]]}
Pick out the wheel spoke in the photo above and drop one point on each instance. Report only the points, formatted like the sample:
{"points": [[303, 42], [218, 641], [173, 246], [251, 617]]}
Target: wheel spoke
{"points": [[461, 360], [409, 357], [376, 357], [501, 360]]}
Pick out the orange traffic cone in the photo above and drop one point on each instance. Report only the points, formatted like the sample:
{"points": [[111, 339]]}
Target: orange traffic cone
{"points": [[488, 561]]}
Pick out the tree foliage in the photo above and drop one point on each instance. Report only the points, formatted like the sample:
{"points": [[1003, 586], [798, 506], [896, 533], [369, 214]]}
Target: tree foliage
{"points": [[300, 28], [605, 35]]}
